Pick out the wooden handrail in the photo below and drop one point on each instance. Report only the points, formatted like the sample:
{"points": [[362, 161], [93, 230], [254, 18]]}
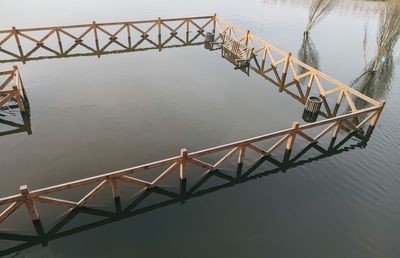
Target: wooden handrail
{"points": [[286, 137], [284, 55], [191, 155]]}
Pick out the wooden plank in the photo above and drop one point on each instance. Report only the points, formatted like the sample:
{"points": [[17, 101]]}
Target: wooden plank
{"points": [[114, 187], [277, 144], [305, 136], [10, 34], [55, 201], [292, 136], [93, 192], [338, 102], [368, 118], [258, 150], [133, 180], [6, 99], [166, 173], [226, 157], [201, 164], [7, 81], [242, 151], [10, 210], [325, 131], [350, 102]]}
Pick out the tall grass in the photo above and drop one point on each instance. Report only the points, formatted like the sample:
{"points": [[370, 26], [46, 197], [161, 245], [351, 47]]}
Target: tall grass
{"points": [[376, 78], [318, 9], [388, 32]]}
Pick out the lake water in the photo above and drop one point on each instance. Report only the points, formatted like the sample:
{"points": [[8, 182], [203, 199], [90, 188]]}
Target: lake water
{"points": [[93, 115]]}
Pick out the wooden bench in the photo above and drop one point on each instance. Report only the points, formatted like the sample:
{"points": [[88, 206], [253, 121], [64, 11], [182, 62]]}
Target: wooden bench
{"points": [[235, 52]]}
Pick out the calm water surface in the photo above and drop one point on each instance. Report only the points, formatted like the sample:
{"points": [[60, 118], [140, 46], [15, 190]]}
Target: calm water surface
{"points": [[92, 115]]}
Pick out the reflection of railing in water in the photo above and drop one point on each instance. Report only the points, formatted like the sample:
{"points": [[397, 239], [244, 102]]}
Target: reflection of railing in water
{"points": [[96, 38], [185, 194], [25, 126], [283, 66], [12, 88]]}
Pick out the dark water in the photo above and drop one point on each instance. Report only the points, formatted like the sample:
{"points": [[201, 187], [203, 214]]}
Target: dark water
{"points": [[92, 115]]}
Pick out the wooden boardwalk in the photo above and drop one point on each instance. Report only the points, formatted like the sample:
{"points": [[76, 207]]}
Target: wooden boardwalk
{"points": [[345, 109]]}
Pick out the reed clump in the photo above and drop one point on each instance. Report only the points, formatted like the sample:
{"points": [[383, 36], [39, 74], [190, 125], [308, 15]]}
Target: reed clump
{"points": [[388, 33], [318, 9]]}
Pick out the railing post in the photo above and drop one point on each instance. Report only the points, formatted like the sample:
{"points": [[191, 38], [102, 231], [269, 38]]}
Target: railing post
{"points": [[289, 145], [159, 26], [30, 205], [19, 100], [116, 195], [247, 37], [264, 57], [94, 26], [159, 33], [59, 41], [15, 32], [115, 188], [292, 138], [214, 22], [182, 174], [128, 30], [374, 119], [17, 90], [284, 72], [241, 155], [337, 129]]}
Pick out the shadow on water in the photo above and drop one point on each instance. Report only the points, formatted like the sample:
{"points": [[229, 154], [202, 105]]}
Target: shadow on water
{"points": [[240, 176], [137, 47], [308, 54], [375, 84], [18, 126]]}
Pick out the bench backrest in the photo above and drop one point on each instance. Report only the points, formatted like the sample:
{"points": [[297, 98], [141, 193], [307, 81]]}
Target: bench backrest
{"points": [[238, 49]]}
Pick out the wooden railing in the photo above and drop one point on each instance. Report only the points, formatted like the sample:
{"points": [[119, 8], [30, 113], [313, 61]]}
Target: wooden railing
{"points": [[292, 73], [65, 226], [12, 89], [102, 38], [283, 66], [285, 137]]}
